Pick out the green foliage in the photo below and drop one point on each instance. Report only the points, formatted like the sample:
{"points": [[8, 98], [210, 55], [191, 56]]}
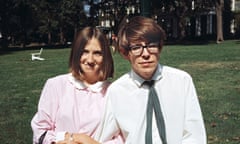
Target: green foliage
{"points": [[25, 21], [214, 68]]}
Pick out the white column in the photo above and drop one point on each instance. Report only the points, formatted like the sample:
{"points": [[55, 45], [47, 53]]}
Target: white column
{"points": [[232, 26], [233, 5], [209, 23], [198, 26]]}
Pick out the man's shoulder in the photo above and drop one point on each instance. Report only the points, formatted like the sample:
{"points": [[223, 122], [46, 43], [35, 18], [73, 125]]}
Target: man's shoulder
{"points": [[121, 81], [123, 78], [167, 70]]}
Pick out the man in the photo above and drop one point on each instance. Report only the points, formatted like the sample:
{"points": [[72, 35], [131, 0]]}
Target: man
{"points": [[151, 104]]}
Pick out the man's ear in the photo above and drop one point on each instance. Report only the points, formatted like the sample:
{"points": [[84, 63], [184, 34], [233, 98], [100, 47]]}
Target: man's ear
{"points": [[124, 53], [160, 50], [161, 46]]}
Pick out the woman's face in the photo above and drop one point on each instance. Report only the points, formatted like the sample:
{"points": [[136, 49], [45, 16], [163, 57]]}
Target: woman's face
{"points": [[91, 61]]}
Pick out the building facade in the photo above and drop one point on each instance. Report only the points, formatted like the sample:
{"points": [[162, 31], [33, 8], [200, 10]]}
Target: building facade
{"points": [[193, 24]]}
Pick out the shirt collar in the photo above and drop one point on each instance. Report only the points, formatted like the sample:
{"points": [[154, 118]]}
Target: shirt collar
{"points": [[97, 87], [139, 80]]}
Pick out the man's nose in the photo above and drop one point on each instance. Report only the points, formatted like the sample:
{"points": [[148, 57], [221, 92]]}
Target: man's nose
{"points": [[145, 51]]}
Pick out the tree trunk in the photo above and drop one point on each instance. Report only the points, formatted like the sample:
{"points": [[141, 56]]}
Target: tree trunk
{"points": [[24, 38], [75, 31], [219, 9], [49, 32], [62, 39], [49, 38], [181, 26]]}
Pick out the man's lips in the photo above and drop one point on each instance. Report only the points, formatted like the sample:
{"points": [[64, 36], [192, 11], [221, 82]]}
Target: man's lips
{"points": [[147, 63]]}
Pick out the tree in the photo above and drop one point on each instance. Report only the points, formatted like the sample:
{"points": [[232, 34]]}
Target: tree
{"points": [[15, 21], [71, 16], [179, 9], [8, 21], [219, 8], [25, 21], [184, 8], [42, 29]]}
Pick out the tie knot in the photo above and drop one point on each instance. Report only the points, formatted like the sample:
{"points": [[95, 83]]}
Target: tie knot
{"points": [[150, 83]]}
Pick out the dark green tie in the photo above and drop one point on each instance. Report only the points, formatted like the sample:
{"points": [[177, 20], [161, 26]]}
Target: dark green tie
{"points": [[153, 104]]}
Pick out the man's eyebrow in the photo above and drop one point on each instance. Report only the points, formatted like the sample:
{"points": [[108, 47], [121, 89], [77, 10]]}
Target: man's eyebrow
{"points": [[137, 44]]}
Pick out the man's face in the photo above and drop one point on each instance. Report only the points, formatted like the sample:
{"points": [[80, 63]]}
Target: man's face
{"points": [[145, 61]]}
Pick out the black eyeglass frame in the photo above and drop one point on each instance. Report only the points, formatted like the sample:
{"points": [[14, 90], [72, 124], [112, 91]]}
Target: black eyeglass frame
{"points": [[138, 48]]}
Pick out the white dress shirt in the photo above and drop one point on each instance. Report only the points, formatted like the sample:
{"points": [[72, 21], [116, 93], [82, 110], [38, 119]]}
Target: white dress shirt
{"points": [[125, 110]]}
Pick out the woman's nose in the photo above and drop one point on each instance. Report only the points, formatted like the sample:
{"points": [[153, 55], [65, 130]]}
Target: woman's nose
{"points": [[90, 58]]}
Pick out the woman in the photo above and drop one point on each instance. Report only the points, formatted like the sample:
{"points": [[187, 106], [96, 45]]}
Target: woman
{"points": [[71, 105]]}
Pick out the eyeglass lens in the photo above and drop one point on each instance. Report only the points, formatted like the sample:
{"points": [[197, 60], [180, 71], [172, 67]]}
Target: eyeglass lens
{"points": [[138, 49]]}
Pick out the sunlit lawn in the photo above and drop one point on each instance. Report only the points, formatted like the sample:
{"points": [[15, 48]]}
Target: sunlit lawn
{"points": [[215, 69]]}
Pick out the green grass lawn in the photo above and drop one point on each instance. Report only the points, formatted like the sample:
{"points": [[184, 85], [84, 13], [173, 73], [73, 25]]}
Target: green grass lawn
{"points": [[215, 69]]}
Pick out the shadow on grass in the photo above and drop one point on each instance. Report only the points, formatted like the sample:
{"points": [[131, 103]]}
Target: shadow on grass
{"points": [[238, 42]]}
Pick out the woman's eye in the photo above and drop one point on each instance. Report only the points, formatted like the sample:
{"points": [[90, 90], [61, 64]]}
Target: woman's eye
{"points": [[99, 53]]}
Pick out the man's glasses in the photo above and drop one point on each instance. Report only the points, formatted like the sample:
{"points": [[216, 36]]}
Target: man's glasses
{"points": [[138, 49]]}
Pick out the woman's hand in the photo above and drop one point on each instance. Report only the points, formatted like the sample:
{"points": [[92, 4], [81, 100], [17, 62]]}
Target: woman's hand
{"points": [[84, 139], [77, 138]]}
